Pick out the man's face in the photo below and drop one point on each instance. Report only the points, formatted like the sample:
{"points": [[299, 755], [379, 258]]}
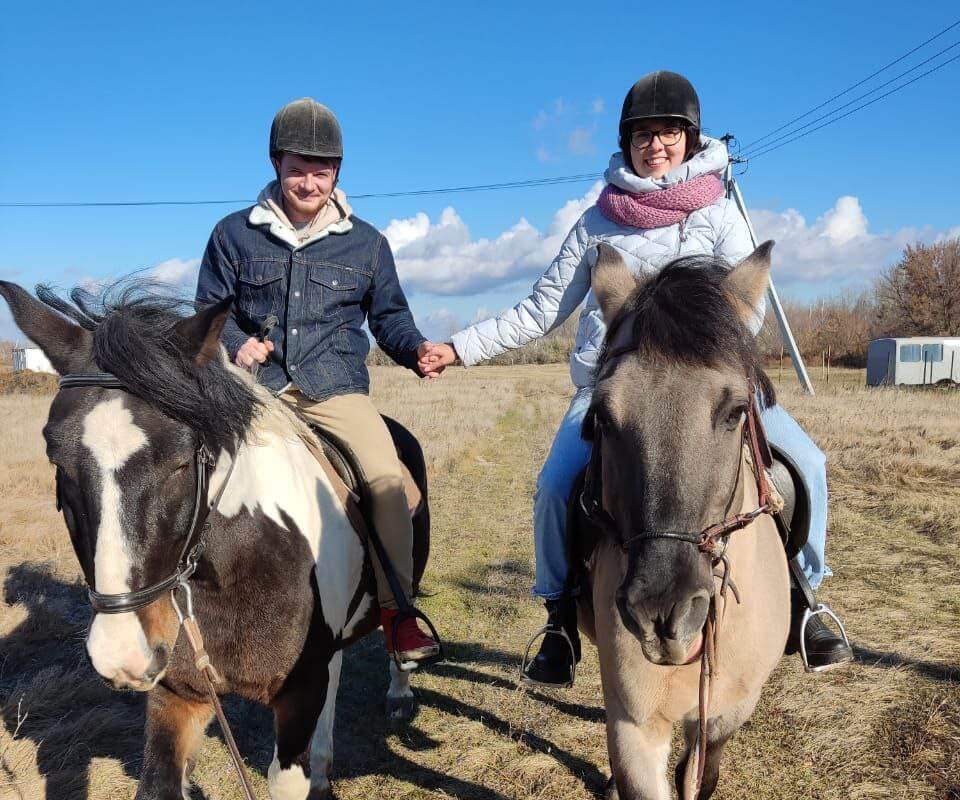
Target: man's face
{"points": [[306, 185]]}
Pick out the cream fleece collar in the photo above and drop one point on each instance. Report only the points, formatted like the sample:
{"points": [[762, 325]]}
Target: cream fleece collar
{"points": [[334, 217]]}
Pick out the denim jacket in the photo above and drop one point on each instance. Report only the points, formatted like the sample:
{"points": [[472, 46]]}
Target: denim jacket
{"points": [[320, 292]]}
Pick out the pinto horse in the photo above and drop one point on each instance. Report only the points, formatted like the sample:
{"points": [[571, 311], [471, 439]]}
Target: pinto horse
{"points": [[683, 556], [283, 583]]}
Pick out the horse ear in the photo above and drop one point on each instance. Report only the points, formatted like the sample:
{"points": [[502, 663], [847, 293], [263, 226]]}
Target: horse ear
{"points": [[67, 346], [200, 334], [748, 281], [612, 282]]}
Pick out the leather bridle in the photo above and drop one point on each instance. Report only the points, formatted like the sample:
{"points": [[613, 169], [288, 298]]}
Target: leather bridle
{"points": [[179, 580], [204, 461], [712, 539]]}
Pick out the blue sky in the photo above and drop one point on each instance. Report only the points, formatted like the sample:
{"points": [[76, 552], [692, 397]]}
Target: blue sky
{"points": [[118, 101]]}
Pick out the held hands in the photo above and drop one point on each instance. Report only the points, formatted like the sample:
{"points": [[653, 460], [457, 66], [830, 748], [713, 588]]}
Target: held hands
{"points": [[435, 358], [253, 350]]}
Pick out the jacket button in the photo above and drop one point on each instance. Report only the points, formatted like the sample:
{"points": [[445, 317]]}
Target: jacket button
{"points": [[334, 283], [296, 294], [293, 367], [294, 331]]}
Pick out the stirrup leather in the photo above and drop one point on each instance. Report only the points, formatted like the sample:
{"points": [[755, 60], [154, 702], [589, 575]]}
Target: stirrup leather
{"points": [[820, 610], [545, 631]]}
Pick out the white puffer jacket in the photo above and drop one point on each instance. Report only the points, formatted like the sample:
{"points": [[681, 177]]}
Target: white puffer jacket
{"points": [[717, 230]]}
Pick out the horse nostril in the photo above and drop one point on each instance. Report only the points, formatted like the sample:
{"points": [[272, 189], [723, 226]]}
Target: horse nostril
{"points": [[158, 663]]}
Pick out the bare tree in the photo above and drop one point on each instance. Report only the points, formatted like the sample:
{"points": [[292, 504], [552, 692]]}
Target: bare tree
{"points": [[920, 295]]}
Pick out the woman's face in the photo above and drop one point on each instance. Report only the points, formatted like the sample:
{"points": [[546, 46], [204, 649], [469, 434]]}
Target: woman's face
{"points": [[657, 146]]}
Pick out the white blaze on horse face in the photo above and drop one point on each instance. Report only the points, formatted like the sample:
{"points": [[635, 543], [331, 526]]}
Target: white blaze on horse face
{"points": [[117, 643]]}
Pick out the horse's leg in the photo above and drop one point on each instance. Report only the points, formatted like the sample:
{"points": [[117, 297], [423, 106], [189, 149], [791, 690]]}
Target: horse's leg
{"points": [[638, 757], [401, 703], [303, 716], [173, 730], [720, 730]]}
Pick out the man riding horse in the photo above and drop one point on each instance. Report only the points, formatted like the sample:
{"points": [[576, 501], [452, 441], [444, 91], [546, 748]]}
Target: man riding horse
{"points": [[301, 259]]}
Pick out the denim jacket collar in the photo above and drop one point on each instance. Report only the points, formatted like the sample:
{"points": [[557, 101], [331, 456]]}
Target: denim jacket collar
{"points": [[263, 214]]}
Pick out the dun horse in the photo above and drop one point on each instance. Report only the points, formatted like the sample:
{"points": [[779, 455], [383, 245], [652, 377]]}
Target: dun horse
{"points": [[182, 448], [675, 503]]}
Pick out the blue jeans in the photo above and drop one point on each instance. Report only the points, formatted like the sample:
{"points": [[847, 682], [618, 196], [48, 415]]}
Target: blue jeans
{"points": [[569, 454]]}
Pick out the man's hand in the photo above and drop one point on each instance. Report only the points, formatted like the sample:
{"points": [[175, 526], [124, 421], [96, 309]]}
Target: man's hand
{"points": [[435, 358], [253, 350]]}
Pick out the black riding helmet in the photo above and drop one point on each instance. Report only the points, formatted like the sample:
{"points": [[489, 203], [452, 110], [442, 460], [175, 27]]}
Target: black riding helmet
{"points": [[307, 128], [660, 95]]}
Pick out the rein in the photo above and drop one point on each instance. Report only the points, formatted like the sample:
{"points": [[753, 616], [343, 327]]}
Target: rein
{"points": [[179, 580], [712, 541]]}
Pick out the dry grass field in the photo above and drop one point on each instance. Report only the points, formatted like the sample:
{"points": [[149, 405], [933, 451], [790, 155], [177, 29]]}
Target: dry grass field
{"points": [[886, 727]]}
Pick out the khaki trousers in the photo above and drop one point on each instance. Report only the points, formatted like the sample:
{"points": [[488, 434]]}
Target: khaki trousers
{"points": [[354, 419]]}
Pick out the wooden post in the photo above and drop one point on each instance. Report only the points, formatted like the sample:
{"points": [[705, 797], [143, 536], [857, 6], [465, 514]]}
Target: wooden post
{"points": [[829, 349], [780, 374], [823, 365], [953, 359]]}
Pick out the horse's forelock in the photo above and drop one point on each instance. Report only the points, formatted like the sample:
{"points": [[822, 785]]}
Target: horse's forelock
{"points": [[133, 340], [685, 315]]}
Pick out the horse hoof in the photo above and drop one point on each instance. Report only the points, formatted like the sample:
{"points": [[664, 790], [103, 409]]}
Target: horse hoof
{"points": [[321, 794], [401, 709], [611, 793]]}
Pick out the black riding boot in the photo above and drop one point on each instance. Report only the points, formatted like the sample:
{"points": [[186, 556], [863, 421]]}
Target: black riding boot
{"points": [[555, 663], [825, 649]]}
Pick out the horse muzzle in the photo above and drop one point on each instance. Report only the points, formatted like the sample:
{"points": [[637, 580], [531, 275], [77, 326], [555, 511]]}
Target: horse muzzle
{"points": [[670, 633], [121, 655]]}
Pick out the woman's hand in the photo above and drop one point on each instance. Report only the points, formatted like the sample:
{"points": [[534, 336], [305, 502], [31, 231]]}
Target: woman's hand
{"points": [[435, 358]]}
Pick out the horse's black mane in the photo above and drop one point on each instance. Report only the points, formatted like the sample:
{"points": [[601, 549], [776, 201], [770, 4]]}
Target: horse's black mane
{"points": [[685, 314], [132, 323]]}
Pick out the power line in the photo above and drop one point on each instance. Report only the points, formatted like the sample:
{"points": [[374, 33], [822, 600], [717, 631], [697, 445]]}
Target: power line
{"points": [[745, 152], [484, 187], [854, 86], [777, 146]]}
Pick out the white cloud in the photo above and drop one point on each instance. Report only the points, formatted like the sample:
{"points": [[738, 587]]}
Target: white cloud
{"points": [[834, 252], [580, 142], [597, 106], [177, 272], [442, 258], [837, 250], [543, 155]]}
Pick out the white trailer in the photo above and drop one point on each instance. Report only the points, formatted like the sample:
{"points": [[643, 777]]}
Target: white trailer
{"points": [[31, 358], [913, 361]]}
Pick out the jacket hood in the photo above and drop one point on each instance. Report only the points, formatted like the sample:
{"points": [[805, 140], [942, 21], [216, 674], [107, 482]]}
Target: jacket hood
{"points": [[334, 217], [712, 157]]}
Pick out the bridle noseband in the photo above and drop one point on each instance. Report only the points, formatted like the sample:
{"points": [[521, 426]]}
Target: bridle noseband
{"points": [[180, 578], [712, 539], [193, 545]]}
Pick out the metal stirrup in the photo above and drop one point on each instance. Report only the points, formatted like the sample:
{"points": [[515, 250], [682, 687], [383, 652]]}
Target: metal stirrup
{"points": [[544, 632], [825, 611]]}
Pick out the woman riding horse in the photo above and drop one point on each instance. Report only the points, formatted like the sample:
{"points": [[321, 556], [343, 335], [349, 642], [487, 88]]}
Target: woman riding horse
{"points": [[664, 199]]}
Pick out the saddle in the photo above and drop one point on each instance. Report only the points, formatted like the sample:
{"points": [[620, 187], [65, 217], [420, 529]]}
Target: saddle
{"points": [[345, 473]]}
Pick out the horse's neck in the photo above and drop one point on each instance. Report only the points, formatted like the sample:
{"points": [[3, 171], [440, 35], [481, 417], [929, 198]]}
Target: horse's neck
{"points": [[278, 477]]}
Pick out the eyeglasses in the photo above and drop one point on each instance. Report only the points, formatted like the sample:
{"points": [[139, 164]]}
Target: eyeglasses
{"points": [[667, 137]]}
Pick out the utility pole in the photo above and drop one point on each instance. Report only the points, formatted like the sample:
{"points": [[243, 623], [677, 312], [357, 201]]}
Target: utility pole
{"points": [[733, 193]]}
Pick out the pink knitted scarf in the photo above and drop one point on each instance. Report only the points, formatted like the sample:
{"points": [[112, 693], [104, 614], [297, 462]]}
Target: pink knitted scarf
{"points": [[659, 208]]}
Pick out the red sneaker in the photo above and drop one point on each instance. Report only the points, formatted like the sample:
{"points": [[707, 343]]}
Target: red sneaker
{"points": [[412, 643]]}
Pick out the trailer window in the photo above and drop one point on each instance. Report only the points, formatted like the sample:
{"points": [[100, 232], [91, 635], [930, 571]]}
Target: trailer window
{"points": [[909, 352], [933, 352]]}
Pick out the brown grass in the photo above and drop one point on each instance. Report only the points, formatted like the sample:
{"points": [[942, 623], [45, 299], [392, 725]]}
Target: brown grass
{"points": [[887, 727]]}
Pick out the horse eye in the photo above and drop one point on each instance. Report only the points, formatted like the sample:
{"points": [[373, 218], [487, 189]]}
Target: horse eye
{"points": [[736, 416]]}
